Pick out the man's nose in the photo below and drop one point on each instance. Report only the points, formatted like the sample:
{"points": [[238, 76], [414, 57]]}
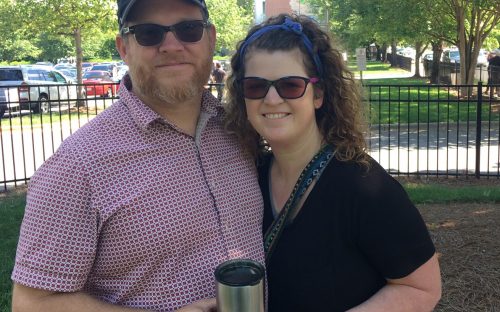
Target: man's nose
{"points": [[170, 42]]}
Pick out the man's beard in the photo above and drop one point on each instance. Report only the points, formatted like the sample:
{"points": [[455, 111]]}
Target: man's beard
{"points": [[147, 85]]}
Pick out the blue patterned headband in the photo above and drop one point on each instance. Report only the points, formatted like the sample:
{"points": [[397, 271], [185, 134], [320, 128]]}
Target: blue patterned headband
{"points": [[287, 25]]}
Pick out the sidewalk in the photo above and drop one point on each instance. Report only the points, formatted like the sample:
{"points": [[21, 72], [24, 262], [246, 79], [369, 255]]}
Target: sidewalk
{"points": [[395, 74], [390, 73]]}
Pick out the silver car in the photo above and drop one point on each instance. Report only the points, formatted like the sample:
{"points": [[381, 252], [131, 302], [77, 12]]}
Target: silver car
{"points": [[39, 88]]}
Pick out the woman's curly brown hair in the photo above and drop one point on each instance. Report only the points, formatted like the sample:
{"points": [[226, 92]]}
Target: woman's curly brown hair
{"points": [[341, 117]]}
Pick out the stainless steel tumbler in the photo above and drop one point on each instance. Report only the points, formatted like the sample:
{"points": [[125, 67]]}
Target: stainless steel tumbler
{"points": [[240, 286]]}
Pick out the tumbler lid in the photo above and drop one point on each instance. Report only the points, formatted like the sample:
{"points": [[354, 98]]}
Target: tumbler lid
{"points": [[239, 272]]}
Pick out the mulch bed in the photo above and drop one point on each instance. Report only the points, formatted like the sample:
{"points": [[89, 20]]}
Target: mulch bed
{"points": [[467, 239], [451, 181]]}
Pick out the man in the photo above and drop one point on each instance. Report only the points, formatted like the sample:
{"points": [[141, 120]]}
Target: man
{"points": [[219, 74], [494, 71], [136, 209], [488, 59]]}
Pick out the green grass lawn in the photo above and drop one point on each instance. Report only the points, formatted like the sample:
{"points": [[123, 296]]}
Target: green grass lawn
{"points": [[12, 208], [390, 104], [11, 214], [36, 120], [421, 193], [374, 67], [412, 100]]}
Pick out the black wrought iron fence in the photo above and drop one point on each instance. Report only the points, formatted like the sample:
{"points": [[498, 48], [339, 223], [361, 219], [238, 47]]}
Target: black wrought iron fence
{"points": [[434, 130], [37, 118], [401, 61], [414, 129], [449, 73]]}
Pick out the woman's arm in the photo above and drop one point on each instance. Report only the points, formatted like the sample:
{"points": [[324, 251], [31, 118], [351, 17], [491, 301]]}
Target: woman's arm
{"points": [[419, 291]]}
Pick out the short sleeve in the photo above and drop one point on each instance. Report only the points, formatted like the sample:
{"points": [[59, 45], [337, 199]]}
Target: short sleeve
{"points": [[58, 236], [392, 233]]}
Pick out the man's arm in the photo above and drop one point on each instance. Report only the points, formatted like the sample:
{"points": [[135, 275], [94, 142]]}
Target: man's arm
{"points": [[419, 291], [27, 299]]}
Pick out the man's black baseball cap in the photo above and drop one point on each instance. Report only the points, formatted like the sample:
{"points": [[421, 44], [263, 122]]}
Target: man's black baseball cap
{"points": [[124, 7]]}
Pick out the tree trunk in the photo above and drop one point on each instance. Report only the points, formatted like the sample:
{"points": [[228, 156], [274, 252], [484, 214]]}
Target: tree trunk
{"points": [[465, 48], [394, 56], [79, 55], [437, 51], [419, 50], [384, 52], [471, 33], [79, 58]]}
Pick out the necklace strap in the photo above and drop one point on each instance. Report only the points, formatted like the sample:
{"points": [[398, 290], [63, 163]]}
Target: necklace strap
{"points": [[311, 172]]}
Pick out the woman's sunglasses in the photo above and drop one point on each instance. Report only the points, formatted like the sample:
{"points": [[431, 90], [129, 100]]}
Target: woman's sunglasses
{"points": [[291, 87], [154, 34]]}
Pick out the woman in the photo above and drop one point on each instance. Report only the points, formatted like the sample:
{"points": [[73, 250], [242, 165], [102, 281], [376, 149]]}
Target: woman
{"points": [[340, 233]]}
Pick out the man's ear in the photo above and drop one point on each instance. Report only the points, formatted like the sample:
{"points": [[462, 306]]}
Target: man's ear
{"points": [[212, 35], [121, 47]]}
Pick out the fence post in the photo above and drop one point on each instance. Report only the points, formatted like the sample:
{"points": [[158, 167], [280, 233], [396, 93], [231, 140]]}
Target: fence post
{"points": [[479, 107]]}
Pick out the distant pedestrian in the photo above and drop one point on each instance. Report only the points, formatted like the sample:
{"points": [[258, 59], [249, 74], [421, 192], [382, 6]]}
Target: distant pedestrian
{"points": [[494, 73], [488, 58], [219, 75]]}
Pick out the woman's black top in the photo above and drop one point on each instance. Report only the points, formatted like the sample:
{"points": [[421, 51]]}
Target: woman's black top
{"points": [[355, 229]]}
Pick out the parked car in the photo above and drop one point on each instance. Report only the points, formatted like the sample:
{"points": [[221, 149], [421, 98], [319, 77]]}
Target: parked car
{"points": [[63, 66], [110, 68], [453, 56], [49, 64], [39, 88], [9, 94], [428, 56], [121, 71], [70, 74], [482, 58], [99, 83], [9, 100], [86, 66], [4, 103]]}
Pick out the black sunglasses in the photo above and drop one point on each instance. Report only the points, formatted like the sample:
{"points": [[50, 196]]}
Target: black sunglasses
{"points": [[154, 34], [291, 87]]}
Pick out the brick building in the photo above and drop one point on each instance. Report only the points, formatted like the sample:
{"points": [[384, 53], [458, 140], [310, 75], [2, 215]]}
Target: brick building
{"points": [[265, 8]]}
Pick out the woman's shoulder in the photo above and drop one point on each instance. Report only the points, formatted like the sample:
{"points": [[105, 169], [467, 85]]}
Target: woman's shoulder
{"points": [[352, 177], [349, 170]]}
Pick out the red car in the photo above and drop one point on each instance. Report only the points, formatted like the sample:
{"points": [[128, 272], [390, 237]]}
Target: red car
{"points": [[99, 83]]}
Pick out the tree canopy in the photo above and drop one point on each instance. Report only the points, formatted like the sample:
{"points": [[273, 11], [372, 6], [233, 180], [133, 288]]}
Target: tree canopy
{"points": [[231, 21], [35, 30], [466, 24]]}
